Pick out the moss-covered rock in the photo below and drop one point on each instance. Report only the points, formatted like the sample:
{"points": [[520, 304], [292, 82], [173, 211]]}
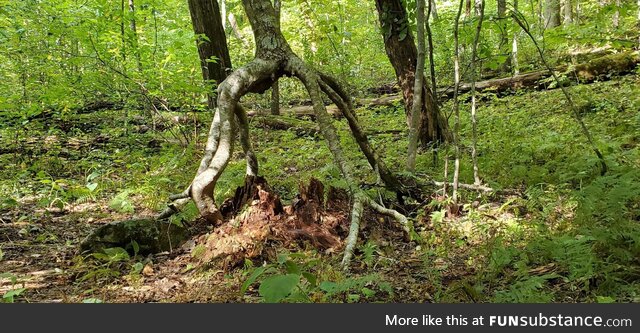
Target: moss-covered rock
{"points": [[152, 236]]}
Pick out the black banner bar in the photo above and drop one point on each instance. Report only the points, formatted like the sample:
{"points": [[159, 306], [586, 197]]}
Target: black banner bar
{"points": [[177, 318]]}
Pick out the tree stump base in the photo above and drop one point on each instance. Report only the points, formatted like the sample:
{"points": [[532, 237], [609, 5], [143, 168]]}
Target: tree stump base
{"points": [[256, 219]]}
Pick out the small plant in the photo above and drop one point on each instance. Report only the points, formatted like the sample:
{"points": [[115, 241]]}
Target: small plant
{"points": [[291, 281], [11, 294]]}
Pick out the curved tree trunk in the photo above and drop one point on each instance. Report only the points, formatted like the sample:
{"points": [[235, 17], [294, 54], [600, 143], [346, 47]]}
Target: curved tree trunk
{"points": [[403, 54], [273, 59]]}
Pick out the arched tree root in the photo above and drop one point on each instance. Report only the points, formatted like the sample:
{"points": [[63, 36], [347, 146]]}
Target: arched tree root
{"points": [[274, 58]]}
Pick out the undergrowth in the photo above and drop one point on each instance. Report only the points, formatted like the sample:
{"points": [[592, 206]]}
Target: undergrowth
{"points": [[571, 236]]}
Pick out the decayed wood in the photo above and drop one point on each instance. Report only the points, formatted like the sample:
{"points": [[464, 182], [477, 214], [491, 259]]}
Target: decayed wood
{"points": [[257, 218]]}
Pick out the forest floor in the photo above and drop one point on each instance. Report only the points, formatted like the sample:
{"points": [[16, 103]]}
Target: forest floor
{"points": [[563, 233]]}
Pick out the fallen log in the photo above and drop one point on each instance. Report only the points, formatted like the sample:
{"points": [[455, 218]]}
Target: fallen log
{"points": [[601, 68]]}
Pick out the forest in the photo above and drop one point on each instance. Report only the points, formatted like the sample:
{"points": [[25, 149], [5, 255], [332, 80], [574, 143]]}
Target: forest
{"points": [[320, 151]]}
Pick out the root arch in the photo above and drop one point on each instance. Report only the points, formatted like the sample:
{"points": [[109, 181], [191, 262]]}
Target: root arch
{"points": [[274, 58]]}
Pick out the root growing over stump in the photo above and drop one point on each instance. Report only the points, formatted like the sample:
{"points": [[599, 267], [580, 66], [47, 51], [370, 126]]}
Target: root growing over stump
{"points": [[273, 59]]}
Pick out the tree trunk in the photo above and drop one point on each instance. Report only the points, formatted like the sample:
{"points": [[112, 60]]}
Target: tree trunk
{"points": [[568, 12], [236, 29], [474, 118], [504, 38], [616, 15], [467, 9], [551, 13], [456, 104], [275, 89], [402, 53], [434, 10], [123, 38], [514, 46], [477, 7], [414, 126], [432, 65], [134, 31], [207, 22]]}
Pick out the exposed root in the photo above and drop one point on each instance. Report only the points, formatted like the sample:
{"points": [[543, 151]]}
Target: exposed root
{"points": [[313, 83], [335, 92], [245, 141], [273, 59], [354, 229], [248, 78]]}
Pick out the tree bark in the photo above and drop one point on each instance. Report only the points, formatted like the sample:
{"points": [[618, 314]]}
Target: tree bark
{"points": [[504, 38], [414, 126], [275, 89], [456, 104], [474, 117], [134, 31], [551, 13], [514, 47], [568, 12], [207, 22], [402, 53], [434, 10], [432, 65], [616, 15]]}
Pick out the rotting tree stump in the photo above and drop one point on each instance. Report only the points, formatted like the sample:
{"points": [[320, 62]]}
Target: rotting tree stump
{"points": [[256, 218]]}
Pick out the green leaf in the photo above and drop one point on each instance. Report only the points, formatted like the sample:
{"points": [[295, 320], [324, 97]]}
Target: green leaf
{"points": [[368, 292], [93, 176], [313, 280], [292, 267], [353, 298], [253, 277], [116, 254], [9, 203], [282, 258], [328, 286], [137, 268], [605, 299], [276, 288], [135, 246], [92, 186], [9, 296]]}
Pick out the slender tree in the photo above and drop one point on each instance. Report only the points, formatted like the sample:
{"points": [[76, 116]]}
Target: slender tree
{"points": [[474, 117], [456, 103], [275, 89], [433, 10], [432, 63], [616, 15], [134, 31], [417, 89], [514, 46], [568, 12], [504, 37]]}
